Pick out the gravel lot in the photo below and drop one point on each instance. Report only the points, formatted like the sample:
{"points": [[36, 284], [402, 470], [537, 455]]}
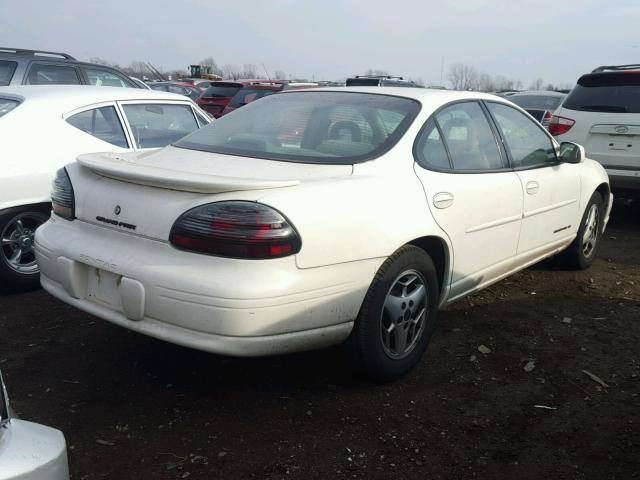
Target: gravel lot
{"points": [[135, 408]]}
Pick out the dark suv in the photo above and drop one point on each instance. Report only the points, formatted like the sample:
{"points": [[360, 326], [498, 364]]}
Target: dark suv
{"points": [[33, 67]]}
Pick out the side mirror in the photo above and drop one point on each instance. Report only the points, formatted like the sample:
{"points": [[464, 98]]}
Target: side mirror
{"points": [[571, 152]]}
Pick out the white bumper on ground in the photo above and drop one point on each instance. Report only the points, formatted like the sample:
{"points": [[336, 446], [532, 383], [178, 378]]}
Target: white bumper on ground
{"points": [[29, 451], [227, 306]]}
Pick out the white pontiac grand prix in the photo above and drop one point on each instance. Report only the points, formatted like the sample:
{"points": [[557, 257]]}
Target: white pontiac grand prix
{"points": [[309, 218]]}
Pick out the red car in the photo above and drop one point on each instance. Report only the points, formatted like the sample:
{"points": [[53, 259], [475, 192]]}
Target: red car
{"points": [[249, 93], [215, 98]]}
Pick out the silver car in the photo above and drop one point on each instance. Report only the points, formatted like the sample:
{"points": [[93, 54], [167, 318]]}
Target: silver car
{"points": [[29, 451]]}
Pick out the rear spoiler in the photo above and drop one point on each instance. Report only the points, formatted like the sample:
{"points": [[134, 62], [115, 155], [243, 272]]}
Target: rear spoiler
{"points": [[119, 167]]}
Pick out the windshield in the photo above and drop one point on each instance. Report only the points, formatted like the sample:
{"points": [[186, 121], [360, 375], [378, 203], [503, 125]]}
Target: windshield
{"points": [[221, 91], [617, 92], [6, 72], [248, 95], [539, 102], [311, 127], [6, 105]]}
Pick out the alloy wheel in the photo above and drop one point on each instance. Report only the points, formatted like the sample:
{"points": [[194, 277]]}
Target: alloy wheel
{"points": [[403, 317], [590, 235], [17, 237]]}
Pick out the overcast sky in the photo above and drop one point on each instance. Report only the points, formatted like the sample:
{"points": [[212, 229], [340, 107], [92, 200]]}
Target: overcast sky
{"points": [[331, 39]]}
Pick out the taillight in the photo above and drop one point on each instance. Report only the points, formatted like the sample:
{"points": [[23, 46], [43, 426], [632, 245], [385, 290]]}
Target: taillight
{"points": [[237, 229], [62, 197], [546, 119], [560, 125]]}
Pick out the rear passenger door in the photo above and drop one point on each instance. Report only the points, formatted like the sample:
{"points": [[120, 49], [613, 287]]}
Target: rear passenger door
{"points": [[551, 189], [472, 193]]}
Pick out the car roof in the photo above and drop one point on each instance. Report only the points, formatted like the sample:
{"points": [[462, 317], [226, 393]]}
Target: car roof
{"points": [[84, 94]]}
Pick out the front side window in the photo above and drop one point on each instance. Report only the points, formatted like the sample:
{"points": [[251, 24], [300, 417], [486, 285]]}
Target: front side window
{"points": [[47, 74], [6, 72], [527, 143], [468, 137], [158, 125], [6, 105], [309, 127], [102, 123], [104, 78]]}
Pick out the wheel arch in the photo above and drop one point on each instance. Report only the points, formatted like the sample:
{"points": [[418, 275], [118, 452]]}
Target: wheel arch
{"points": [[438, 249]]}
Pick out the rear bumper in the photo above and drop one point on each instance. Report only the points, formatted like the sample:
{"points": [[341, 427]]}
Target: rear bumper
{"points": [[624, 182], [29, 451], [226, 306]]}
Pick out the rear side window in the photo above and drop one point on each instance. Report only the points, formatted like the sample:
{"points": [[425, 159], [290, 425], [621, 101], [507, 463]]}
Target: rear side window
{"points": [[46, 74], [102, 123], [6, 72], [430, 149], [6, 105], [528, 144], [248, 95], [104, 78], [158, 125], [613, 92], [221, 91], [468, 137]]}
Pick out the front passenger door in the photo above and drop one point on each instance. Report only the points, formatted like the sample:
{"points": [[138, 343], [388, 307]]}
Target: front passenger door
{"points": [[551, 189]]}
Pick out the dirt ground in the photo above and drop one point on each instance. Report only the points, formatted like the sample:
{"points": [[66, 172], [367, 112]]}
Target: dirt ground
{"points": [[136, 408]]}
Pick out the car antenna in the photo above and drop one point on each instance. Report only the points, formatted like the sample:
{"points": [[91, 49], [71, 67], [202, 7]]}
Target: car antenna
{"points": [[265, 71]]}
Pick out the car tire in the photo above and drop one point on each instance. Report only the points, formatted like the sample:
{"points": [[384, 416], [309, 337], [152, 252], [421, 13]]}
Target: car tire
{"points": [[398, 316], [584, 248], [18, 270]]}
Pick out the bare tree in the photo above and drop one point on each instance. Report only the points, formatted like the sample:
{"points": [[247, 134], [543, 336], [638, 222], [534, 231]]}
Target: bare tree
{"points": [[486, 83], [373, 72], [537, 84], [463, 77], [210, 62], [231, 71], [249, 71], [279, 75]]}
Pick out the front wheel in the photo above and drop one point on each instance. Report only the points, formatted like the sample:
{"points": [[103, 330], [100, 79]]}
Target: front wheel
{"points": [[18, 268], [582, 251], [398, 315]]}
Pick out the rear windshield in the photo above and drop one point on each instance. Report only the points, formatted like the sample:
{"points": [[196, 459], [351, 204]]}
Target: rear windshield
{"points": [[309, 127], [616, 92], [6, 105], [539, 102], [248, 95], [221, 91], [6, 72]]}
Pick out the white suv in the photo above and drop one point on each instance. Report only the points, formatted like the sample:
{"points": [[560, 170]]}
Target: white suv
{"points": [[602, 113]]}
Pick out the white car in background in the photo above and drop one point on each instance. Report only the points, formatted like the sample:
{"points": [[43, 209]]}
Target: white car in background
{"points": [[29, 451], [45, 127], [602, 113], [309, 217]]}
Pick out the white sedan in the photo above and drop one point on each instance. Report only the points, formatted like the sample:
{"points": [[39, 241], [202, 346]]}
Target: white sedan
{"points": [[312, 217], [42, 128]]}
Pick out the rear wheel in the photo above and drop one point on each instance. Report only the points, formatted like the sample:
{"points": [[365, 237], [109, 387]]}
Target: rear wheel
{"points": [[582, 251], [398, 315], [18, 268]]}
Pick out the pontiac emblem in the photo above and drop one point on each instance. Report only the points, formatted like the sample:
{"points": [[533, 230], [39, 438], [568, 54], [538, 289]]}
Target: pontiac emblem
{"points": [[117, 210]]}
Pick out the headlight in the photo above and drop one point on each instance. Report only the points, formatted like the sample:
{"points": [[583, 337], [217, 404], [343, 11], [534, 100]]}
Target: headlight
{"points": [[62, 197]]}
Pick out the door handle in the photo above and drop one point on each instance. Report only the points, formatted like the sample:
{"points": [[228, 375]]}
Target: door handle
{"points": [[443, 200], [532, 187]]}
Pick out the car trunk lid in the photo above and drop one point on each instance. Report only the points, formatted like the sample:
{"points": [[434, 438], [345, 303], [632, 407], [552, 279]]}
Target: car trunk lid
{"points": [[143, 194]]}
